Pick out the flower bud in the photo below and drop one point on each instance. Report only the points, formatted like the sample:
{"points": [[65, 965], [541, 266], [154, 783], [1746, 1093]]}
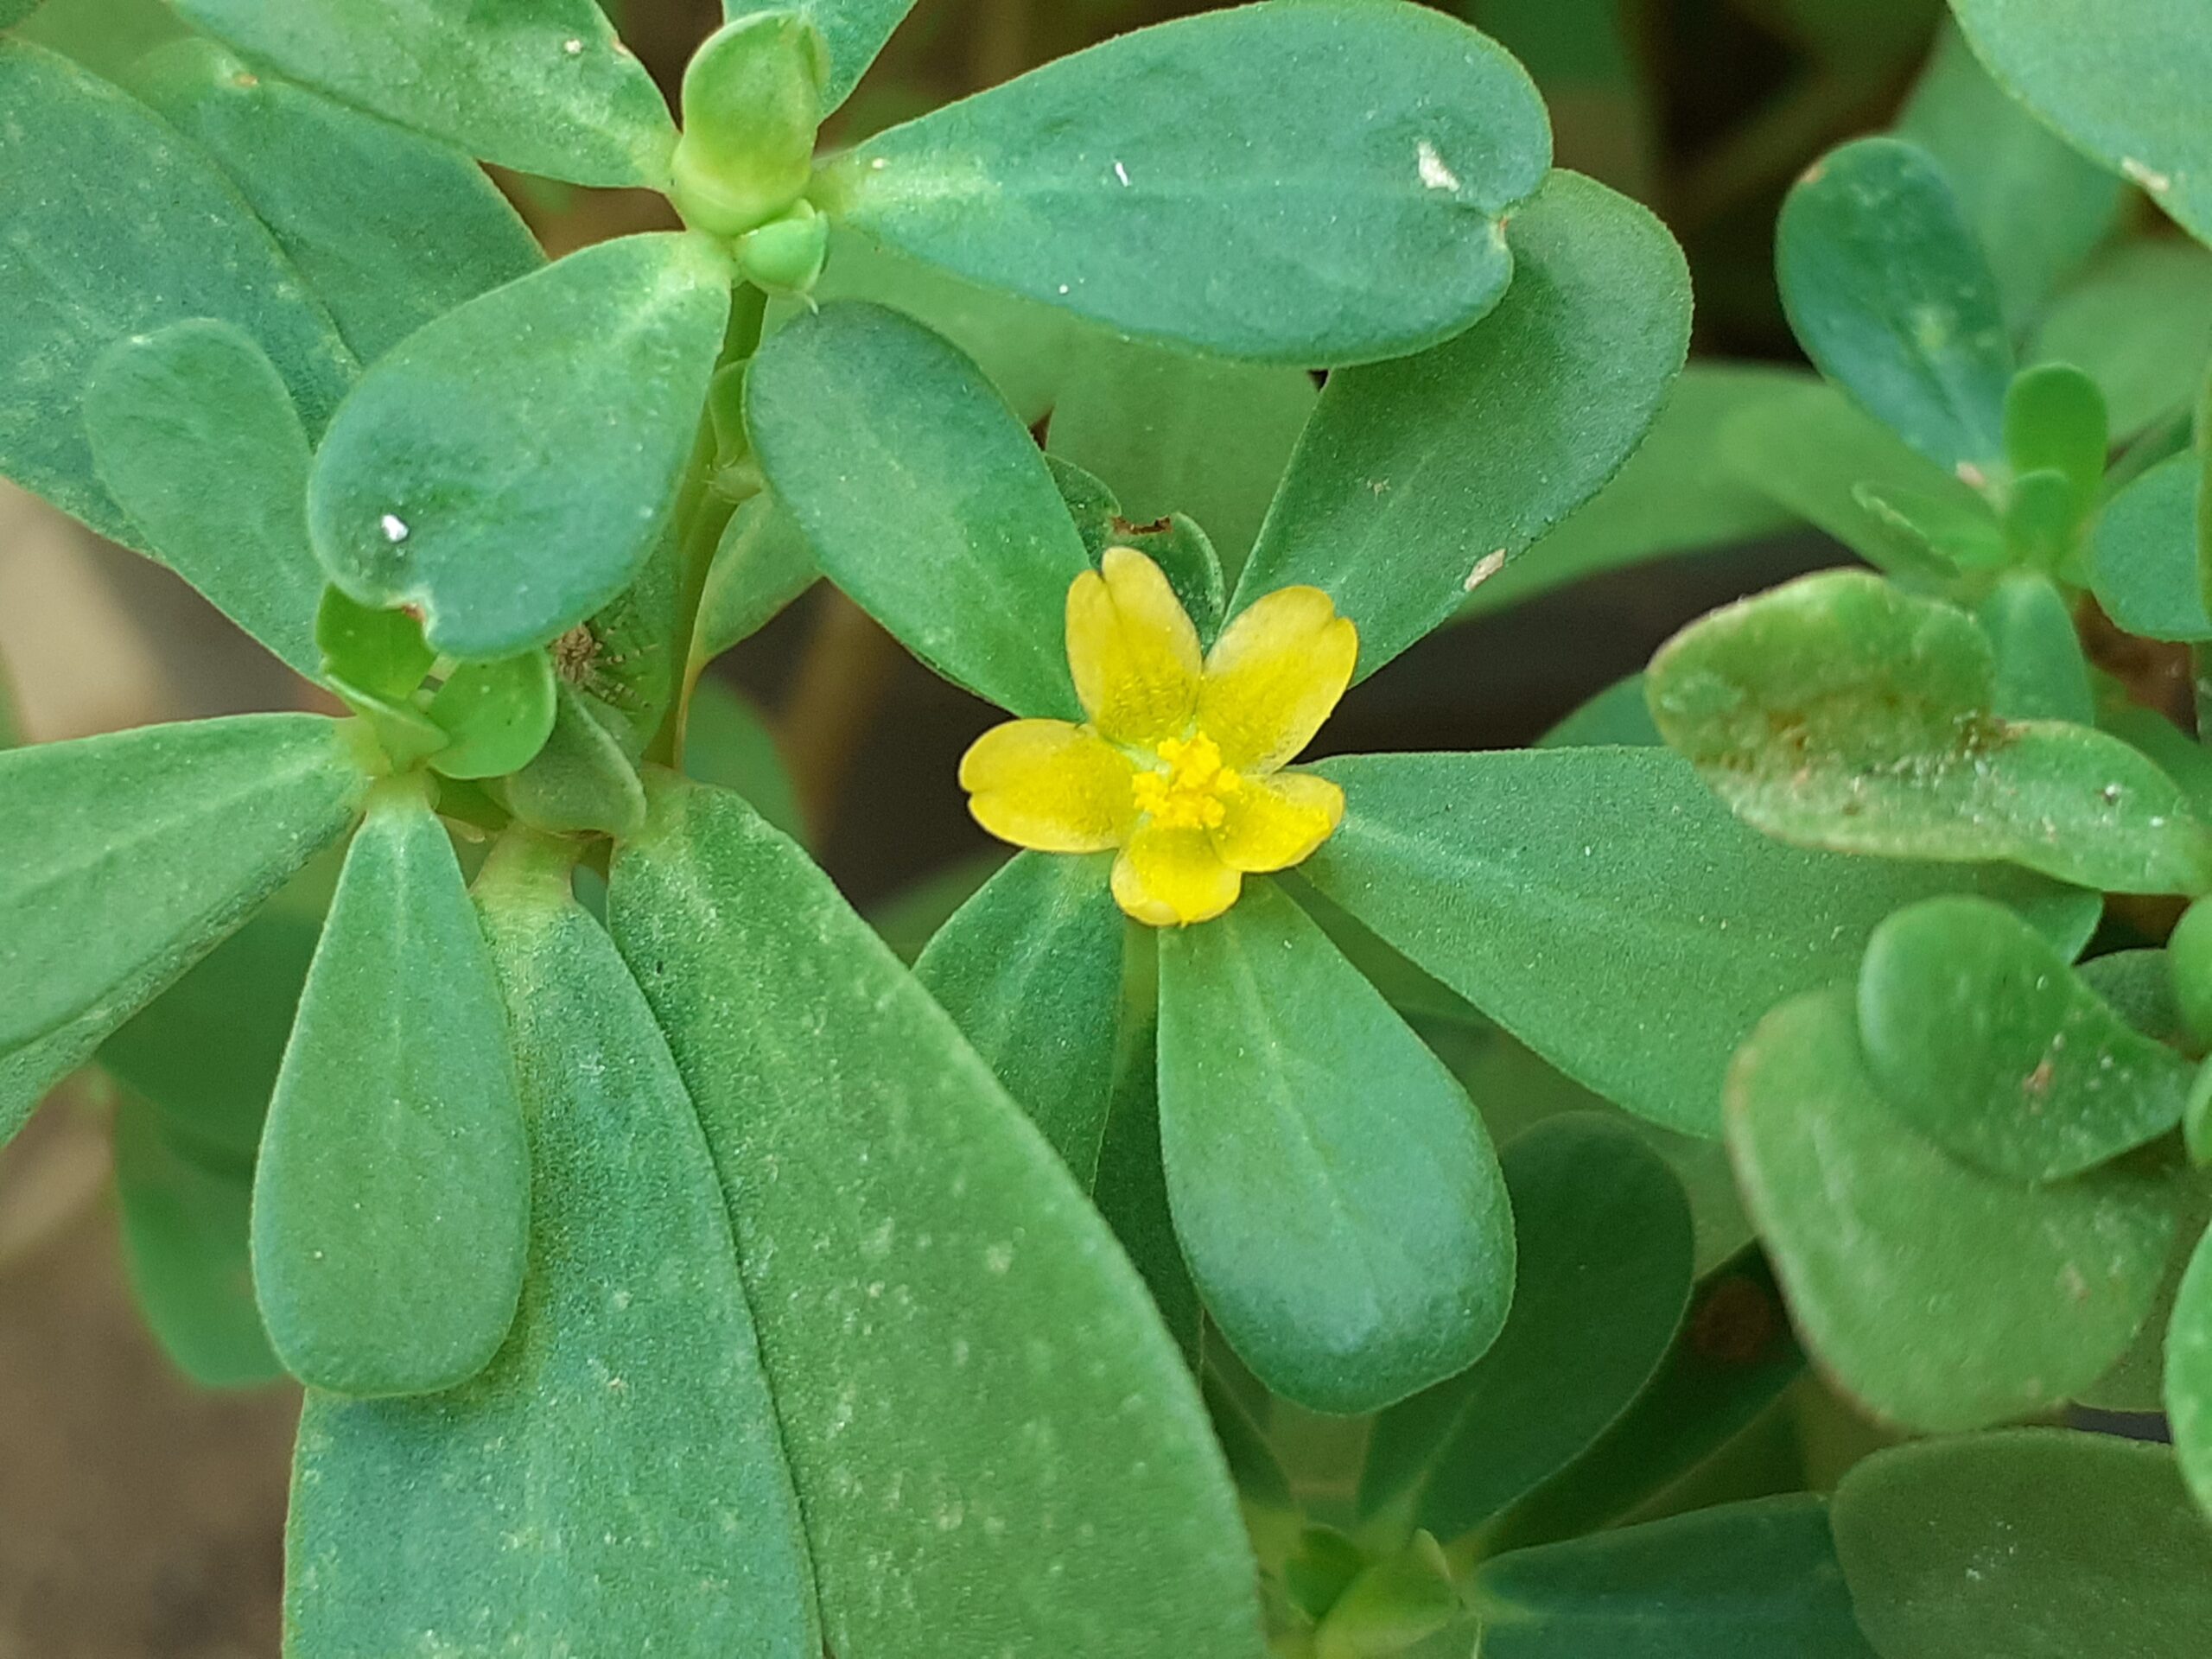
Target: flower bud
{"points": [[786, 256], [751, 102]]}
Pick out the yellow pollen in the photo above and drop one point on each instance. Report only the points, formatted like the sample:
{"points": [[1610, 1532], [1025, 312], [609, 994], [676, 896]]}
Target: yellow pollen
{"points": [[1189, 791]]}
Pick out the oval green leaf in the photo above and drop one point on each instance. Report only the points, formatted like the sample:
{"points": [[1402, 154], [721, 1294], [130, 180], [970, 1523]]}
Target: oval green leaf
{"points": [[1318, 183], [497, 714], [988, 1427], [390, 1207], [1941, 1298], [1417, 481], [579, 782], [615, 1482], [543, 87], [1336, 1194], [2145, 556], [508, 469], [2040, 671]]}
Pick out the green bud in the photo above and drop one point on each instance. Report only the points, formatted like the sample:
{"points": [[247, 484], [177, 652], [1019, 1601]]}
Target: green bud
{"points": [[751, 102], [786, 256]]}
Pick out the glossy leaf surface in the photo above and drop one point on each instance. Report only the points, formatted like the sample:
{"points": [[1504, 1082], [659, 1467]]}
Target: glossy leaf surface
{"points": [[974, 1389], [193, 436], [1318, 183], [2015, 1297], [1602, 1241], [118, 227], [508, 469], [1539, 884], [922, 497], [1417, 480], [2036, 1544], [615, 1482], [390, 1205], [497, 714], [1838, 711], [540, 85]]}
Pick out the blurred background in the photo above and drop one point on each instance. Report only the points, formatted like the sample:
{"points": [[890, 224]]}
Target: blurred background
{"points": [[143, 1515]]}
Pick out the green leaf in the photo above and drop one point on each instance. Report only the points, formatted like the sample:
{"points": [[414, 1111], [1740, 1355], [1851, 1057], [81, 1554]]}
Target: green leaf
{"points": [[2041, 672], [2037, 207], [1744, 1581], [117, 226], [13, 11], [1619, 716], [1892, 298], [2035, 1544], [923, 497], [1391, 1606], [2054, 418], [1981, 1037], [1318, 183], [2139, 321], [497, 714], [1943, 1298], [1030, 970], [581, 782], [1603, 1241], [1335, 1192], [380, 652], [952, 1339], [2122, 85], [124, 859], [854, 31], [1418, 479], [1838, 711], [390, 230], [762, 565], [1171, 432], [195, 437], [1732, 1360], [1544, 885], [184, 1241], [2146, 554], [543, 87], [2189, 1372], [727, 743], [1130, 1191], [509, 469], [615, 1482], [1675, 495], [391, 1202], [1184, 552]]}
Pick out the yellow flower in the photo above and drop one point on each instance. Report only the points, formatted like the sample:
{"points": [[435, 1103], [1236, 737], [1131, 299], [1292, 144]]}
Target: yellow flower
{"points": [[1180, 763]]}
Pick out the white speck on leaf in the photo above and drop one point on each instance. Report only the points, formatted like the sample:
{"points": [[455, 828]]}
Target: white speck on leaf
{"points": [[573, 48], [2149, 178], [394, 527], [1488, 566], [1434, 173], [1122, 174]]}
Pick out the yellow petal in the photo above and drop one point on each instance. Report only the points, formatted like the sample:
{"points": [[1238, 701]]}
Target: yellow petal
{"points": [[1275, 676], [1132, 650], [1271, 824], [1047, 785], [1170, 877]]}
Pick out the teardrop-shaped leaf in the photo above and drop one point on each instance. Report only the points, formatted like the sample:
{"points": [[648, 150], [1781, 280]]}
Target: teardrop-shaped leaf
{"points": [[852, 31], [579, 781], [1982, 1038], [1541, 884], [2146, 554], [922, 497], [390, 1207], [540, 85], [762, 564], [1417, 481], [2055, 417], [2040, 671], [497, 715], [507, 469], [2122, 83], [1943, 1298], [1030, 970], [124, 859], [1322, 183], [1838, 711], [1891, 295], [952, 1341], [1602, 1244], [117, 226], [391, 230], [615, 1482], [195, 436], [2036, 1544], [1336, 1194], [1752, 1581]]}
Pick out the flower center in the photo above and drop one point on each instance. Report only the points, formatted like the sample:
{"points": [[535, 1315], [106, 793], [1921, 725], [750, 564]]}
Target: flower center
{"points": [[1190, 789]]}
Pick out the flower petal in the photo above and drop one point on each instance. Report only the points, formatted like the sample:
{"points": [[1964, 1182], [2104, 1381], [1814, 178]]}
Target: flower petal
{"points": [[1168, 878], [1275, 676], [1275, 823], [1047, 785], [1132, 650]]}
